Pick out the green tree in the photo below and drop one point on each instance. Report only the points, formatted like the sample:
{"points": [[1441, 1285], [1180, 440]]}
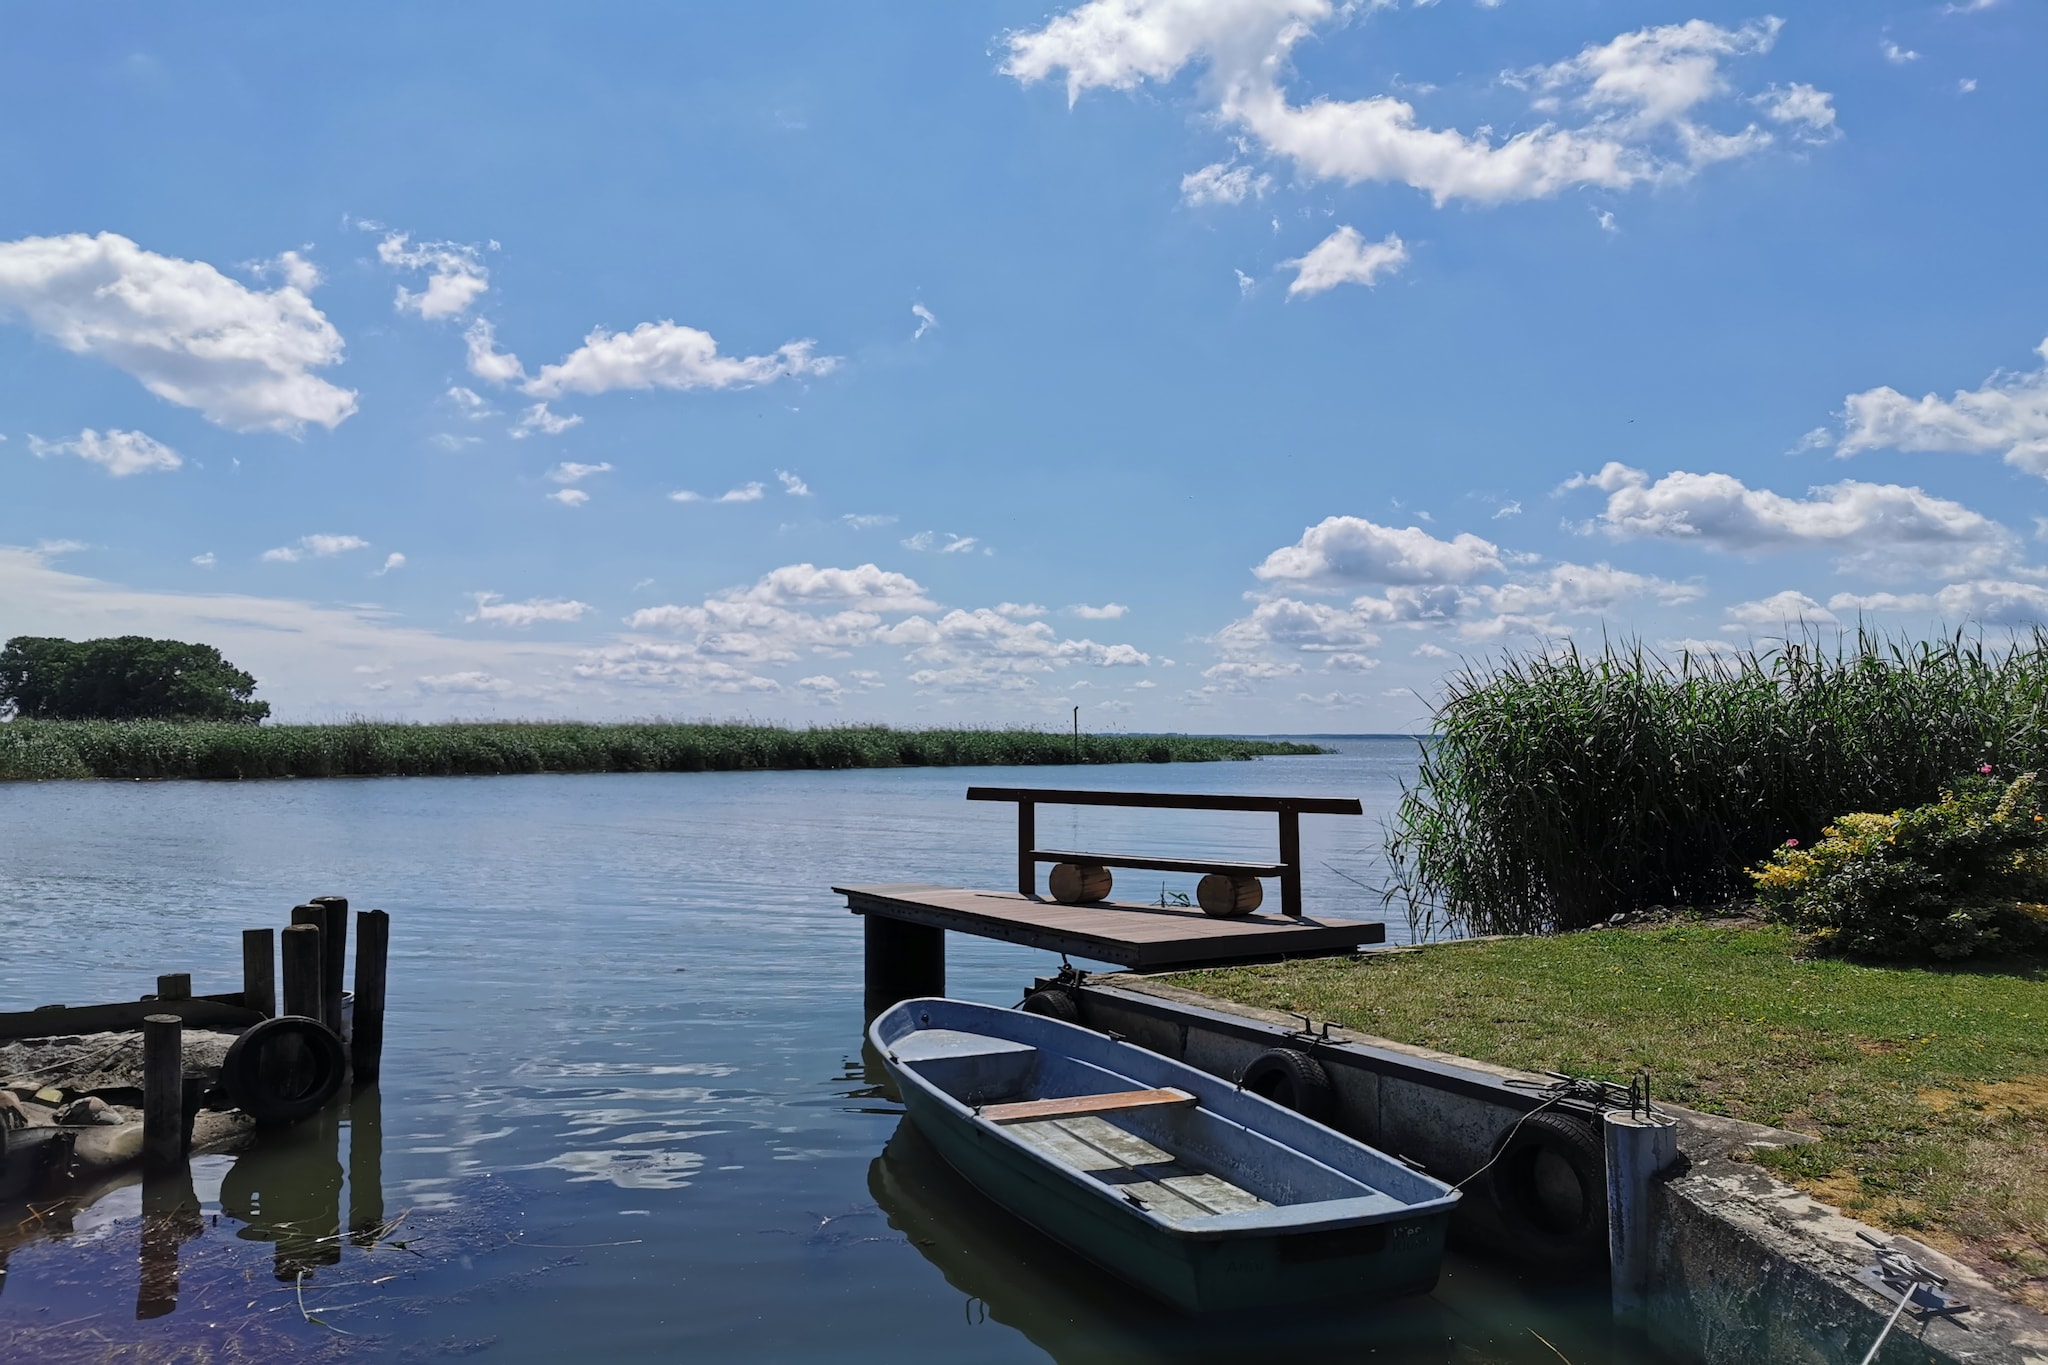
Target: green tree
{"points": [[130, 677]]}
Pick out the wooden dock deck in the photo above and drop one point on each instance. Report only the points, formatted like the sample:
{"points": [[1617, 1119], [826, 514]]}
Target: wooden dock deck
{"points": [[1146, 937]]}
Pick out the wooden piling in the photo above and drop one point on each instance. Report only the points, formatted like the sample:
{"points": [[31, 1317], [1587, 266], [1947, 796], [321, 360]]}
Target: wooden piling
{"points": [[259, 971], [174, 986], [904, 960], [373, 951], [333, 957], [163, 1091], [300, 948]]}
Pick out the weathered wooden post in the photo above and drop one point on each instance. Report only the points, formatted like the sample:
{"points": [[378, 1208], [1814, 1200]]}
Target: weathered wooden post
{"points": [[300, 946], [1640, 1147], [373, 951], [1290, 861], [333, 956], [903, 961], [163, 1091], [1027, 845], [259, 971], [174, 986]]}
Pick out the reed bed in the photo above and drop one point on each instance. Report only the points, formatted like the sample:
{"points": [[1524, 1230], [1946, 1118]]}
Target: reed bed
{"points": [[1563, 789], [165, 749]]}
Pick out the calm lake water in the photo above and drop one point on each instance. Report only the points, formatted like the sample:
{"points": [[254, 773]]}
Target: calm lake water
{"points": [[623, 1113]]}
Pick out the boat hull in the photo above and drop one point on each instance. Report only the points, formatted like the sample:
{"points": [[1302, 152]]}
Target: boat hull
{"points": [[1198, 1270], [1199, 1273]]}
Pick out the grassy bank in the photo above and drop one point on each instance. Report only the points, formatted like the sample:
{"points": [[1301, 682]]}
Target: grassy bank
{"points": [[1927, 1089], [158, 749], [1563, 788]]}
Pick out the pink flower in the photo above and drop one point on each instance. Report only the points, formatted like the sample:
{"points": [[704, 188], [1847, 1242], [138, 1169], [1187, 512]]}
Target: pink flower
{"points": [[1791, 843], [1985, 769]]}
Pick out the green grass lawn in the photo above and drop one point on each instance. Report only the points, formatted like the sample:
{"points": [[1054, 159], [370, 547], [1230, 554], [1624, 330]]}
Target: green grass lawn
{"points": [[1928, 1088]]}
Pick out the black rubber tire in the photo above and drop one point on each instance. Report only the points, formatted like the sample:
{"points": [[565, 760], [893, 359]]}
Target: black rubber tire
{"points": [[1294, 1080], [306, 1048], [1054, 1003], [1549, 1185]]}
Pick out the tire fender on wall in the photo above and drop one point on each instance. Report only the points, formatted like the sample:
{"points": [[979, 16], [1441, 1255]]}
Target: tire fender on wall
{"points": [[1549, 1185], [1292, 1079]]}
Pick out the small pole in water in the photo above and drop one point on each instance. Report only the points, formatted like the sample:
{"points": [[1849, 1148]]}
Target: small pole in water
{"points": [[333, 956], [163, 1091], [1077, 734], [259, 971], [373, 947], [301, 951]]}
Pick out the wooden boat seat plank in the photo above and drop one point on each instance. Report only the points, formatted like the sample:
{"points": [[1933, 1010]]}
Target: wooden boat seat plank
{"points": [[1073, 1106], [1168, 1186]]}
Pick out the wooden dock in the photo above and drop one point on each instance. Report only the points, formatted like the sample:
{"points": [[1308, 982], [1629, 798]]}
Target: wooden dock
{"points": [[906, 923]]}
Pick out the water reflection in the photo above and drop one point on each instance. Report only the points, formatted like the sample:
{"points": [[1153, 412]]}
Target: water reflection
{"points": [[170, 1218], [1075, 1313], [287, 1188]]}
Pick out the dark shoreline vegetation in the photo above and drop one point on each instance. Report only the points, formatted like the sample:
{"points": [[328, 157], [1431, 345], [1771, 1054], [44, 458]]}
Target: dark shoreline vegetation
{"points": [[35, 750], [1561, 790]]}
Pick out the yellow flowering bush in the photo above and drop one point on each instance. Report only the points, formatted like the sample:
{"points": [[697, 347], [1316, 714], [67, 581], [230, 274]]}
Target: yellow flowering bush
{"points": [[1965, 876]]}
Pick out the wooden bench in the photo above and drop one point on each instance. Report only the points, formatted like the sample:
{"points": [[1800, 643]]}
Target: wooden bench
{"points": [[1080, 1106], [1287, 868]]}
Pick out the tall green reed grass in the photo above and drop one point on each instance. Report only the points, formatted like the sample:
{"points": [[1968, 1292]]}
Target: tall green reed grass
{"points": [[164, 749], [1559, 790]]}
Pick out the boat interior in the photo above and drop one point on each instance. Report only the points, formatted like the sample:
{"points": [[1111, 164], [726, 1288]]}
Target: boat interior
{"points": [[1156, 1147]]}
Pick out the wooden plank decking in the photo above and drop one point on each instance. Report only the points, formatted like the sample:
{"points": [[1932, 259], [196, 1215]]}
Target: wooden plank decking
{"points": [[1145, 937]]}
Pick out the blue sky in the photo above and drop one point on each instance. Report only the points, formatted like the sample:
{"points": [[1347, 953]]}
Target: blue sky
{"points": [[1208, 366]]}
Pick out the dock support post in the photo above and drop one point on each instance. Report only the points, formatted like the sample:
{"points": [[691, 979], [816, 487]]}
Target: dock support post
{"points": [[903, 961], [373, 949], [1027, 844], [163, 1091], [259, 971], [174, 986], [301, 951], [1290, 862], [333, 958], [1640, 1147]]}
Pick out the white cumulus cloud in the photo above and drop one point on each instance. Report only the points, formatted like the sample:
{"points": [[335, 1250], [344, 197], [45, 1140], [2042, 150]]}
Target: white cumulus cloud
{"points": [[570, 472], [492, 609], [318, 546], [1989, 602], [1223, 183], [666, 355], [1779, 610], [925, 320], [792, 485], [1108, 611], [120, 453], [1341, 552], [1345, 257], [1640, 98], [1885, 527], [539, 420], [242, 357], [456, 275], [2007, 416]]}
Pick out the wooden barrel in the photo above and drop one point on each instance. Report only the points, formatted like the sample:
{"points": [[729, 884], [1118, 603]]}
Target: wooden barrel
{"points": [[1223, 895], [1076, 883]]}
